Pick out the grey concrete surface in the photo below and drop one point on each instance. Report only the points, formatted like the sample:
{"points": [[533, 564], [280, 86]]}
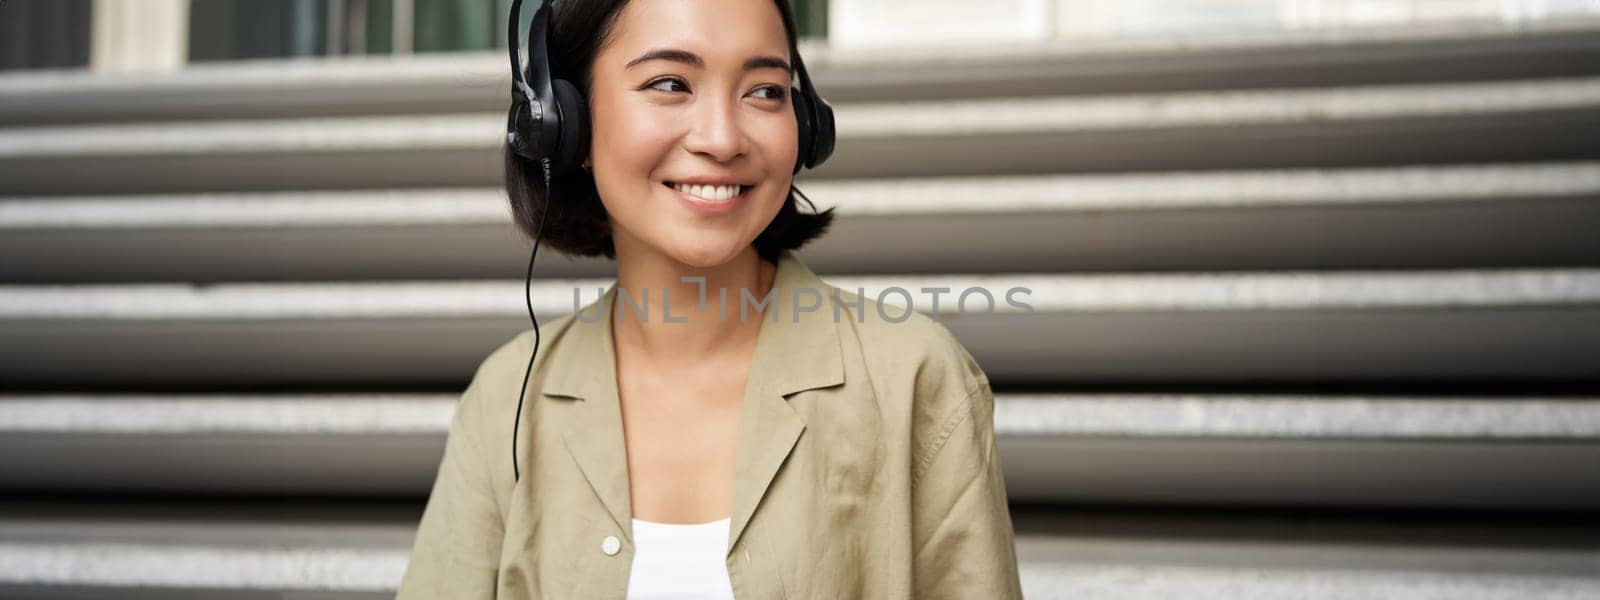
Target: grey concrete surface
{"points": [[1494, 215], [1344, 126], [1064, 553], [1332, 450]]}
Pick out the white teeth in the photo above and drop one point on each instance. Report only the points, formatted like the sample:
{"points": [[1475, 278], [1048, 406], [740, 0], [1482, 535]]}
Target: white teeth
{"points": [[714, 193]]}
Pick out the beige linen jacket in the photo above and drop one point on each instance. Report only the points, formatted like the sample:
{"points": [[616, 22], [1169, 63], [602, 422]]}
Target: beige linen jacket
{"points": [[866, 464]]}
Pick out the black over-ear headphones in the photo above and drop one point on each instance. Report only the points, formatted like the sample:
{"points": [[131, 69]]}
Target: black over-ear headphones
{"points": [[549, 124]]}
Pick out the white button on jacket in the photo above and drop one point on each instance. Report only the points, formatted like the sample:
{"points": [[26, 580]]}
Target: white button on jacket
{"points": [[610, 545]]}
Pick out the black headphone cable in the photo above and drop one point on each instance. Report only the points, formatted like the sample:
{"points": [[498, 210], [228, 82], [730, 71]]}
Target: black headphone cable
{"points": [[527, 295]]}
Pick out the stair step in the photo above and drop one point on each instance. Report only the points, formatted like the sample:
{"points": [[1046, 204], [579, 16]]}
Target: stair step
{"points": [[1329, 127], [1415, 53], [1497, 215], [100, 552], [1256, 450], [331, 444], [1463, 325], [1067, 553], [1016, 414], [195, 551], [1351, 126], [1339, 450]]}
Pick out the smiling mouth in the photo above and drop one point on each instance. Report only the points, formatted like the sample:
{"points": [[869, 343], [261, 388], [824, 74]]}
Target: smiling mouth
{"points": [[714, 194]]}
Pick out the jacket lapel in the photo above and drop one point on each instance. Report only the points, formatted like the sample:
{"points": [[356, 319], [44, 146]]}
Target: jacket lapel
{"points": [[794, 352], [593, 434], [790, 357]]}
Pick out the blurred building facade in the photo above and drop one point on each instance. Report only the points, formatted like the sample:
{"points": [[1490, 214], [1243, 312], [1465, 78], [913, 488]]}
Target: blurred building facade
{"points": [[167, 34], [1315, 283], [159, 35]]}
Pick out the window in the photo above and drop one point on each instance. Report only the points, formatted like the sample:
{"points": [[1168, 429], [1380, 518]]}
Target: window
{"points": [[44, 34], [240, 29], [243, 29], [812, 17]]}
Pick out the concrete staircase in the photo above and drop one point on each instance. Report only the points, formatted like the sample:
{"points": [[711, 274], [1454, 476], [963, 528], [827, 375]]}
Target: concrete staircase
{"points": [[1315, 315]]}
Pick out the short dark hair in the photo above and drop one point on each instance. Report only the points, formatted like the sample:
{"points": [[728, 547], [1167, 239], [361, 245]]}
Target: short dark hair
{"points": [[578, 224]]}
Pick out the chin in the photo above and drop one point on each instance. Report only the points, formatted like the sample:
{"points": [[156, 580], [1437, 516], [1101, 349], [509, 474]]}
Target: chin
{"points": [[707, 254]]}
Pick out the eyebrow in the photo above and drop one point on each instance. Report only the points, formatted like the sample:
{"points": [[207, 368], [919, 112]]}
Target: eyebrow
{"points": [[694, 60]]}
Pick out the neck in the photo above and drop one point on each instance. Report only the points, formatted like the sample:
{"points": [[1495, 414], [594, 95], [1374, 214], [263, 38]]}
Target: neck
{"points": [[651, 289]]}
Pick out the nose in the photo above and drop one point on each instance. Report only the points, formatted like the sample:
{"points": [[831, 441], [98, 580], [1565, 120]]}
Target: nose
{"points": [[716, 132]]}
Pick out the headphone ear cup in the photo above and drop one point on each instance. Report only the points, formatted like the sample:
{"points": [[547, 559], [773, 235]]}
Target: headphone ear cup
{"points": [[805, 129], [574, 144], [518, 127], [822, 132]]}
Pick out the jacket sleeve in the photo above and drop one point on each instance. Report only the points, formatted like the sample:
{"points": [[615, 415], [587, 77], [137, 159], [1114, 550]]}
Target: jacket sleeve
{"points": [[963, 543], [457, 547]]}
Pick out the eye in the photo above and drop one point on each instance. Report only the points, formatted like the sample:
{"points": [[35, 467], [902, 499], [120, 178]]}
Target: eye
{"points": [[667, 81], [774, 92]]}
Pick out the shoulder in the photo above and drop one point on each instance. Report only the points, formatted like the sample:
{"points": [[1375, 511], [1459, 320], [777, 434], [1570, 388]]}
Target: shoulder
{"points": [[927, 376], [914, 359], [490, 398], [485, 412], [911, 345], [493, 373], [510, 357]]}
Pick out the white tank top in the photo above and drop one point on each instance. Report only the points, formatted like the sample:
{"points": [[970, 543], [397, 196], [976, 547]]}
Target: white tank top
{"points": [[680, 562]]}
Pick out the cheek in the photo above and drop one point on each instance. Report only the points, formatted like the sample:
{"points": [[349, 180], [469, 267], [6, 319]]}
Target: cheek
{"points": [[630, 141], [774, 138], [778, 140], [629, 144]]}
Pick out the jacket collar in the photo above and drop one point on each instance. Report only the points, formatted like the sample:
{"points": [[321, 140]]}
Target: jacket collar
{"points": [[796, 352]]}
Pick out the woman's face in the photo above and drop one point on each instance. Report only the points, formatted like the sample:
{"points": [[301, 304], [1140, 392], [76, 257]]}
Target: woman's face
{"points": [[689, 101]]}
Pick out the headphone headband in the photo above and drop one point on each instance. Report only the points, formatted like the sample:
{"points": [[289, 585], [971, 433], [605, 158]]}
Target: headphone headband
{"points": [[535, 121]]}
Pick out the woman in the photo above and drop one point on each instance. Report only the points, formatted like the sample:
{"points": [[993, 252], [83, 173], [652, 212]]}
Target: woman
{"points": [[720, 423]]}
